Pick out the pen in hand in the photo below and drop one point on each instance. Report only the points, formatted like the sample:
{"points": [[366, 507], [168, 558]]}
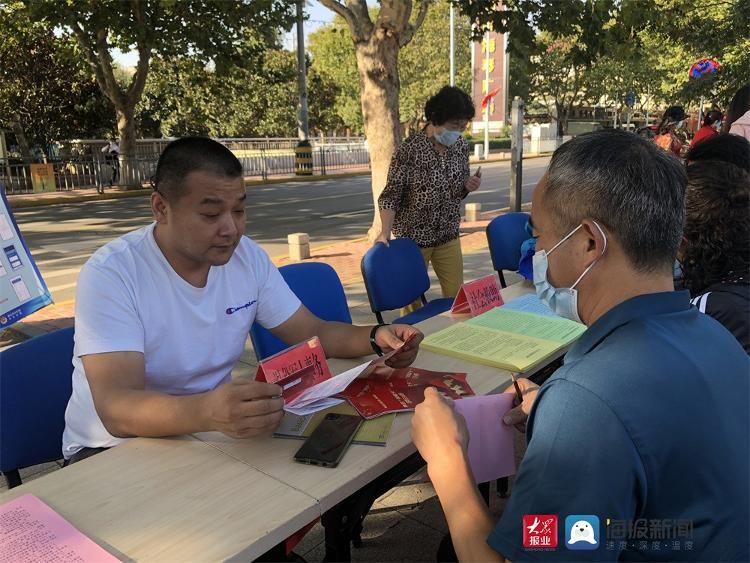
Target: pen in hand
{"points": [[519, 395]]}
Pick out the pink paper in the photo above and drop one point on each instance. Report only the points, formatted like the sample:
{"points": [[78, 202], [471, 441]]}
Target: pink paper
{"points": [[490, 440], [31, 531]]}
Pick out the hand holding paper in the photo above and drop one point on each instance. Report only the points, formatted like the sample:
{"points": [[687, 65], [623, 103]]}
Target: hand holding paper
{"points": [[490, 441]]}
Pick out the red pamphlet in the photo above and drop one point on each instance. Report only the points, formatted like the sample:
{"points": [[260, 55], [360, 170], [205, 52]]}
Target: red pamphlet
{"points": [[389, 390], [295, 369]]}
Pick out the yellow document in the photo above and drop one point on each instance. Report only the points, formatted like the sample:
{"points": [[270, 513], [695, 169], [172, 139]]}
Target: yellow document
{"points": [[505, 339]]}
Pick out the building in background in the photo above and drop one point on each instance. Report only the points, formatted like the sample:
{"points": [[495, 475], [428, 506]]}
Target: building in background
{"points": [[490, 72]]}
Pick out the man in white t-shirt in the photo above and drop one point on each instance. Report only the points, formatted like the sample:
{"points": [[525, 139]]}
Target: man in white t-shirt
{"points": [[163, 313]]}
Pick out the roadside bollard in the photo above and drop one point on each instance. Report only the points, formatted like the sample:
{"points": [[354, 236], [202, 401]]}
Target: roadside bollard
{"points": [[299, 246], [473, 212]]}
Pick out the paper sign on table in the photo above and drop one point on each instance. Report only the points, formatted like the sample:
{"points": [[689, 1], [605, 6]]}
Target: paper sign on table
{"points": [[31, 531], [478, 296], [295, 369], [490, 441]]}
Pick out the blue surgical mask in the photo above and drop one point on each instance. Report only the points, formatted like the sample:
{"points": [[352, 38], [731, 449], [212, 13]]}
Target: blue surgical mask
{"points": [[447, 137], [562, 300]]}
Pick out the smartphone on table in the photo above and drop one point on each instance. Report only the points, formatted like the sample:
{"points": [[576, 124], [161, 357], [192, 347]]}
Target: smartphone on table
{"points": [[329, 441]]}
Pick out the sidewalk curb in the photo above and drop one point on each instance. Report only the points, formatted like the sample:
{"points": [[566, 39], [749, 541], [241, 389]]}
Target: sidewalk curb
{"points": [[122, 194]]}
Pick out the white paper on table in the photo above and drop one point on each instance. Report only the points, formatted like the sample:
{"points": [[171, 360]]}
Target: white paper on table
{"points": [[327, 388], [315, 406], [320, 396]]}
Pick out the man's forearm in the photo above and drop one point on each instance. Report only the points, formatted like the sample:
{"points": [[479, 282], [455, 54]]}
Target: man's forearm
{"points": [[342, 340], [131, 412], [469, 520]]}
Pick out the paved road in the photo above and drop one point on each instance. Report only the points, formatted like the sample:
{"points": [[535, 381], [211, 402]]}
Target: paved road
{"points": [[62, 237]]}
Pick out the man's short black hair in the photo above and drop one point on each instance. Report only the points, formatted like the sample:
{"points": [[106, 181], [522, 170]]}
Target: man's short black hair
{"points": [[192, 154], [628, 185], [726, 148], [448, 104]]}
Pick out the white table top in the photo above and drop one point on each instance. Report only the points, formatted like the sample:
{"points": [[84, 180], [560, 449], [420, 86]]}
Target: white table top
{"points": [[173, 500]]}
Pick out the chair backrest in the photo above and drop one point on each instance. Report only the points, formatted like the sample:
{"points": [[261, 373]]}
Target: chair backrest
{"points": [[395, 275], [319, 288], [505, 234], [35, 386]]}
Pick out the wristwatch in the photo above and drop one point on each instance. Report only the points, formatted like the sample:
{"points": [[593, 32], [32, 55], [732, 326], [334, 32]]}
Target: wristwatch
{"points": [[377, 349]]}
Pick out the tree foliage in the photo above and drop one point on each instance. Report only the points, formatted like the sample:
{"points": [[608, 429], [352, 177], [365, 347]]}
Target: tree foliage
{"points": [[185, 97], [424, 64], [210, 31], [46, 91]]}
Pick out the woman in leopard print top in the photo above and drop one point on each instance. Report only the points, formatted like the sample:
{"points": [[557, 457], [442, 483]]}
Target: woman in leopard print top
{"points": [[428, 179]]}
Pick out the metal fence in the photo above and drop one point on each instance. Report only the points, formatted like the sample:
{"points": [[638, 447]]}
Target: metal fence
{"points": [[78, 173]]}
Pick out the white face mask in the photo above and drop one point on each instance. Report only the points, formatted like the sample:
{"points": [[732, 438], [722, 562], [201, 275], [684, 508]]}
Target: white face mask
{"points": [[562, 300]]}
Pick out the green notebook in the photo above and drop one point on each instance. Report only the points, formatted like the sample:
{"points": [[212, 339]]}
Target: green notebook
{"points": [[373, 432], [506, 339]]}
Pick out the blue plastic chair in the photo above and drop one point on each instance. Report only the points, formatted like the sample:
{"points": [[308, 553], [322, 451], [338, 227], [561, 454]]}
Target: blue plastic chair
{"points": [[35, 386], [505, 234], [396, 276], [319, 288]]}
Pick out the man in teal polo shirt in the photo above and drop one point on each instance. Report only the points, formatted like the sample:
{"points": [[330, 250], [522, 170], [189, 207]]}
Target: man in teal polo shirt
{"points": [[638, 445]]}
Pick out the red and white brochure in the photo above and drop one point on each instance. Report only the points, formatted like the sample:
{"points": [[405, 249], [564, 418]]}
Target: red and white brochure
{"points": [[478, 296], [295, 369], [305, 378], [388, 390]]}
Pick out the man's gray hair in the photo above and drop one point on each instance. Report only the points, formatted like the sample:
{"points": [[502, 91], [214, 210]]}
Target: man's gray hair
{"points": [[635, 189]]}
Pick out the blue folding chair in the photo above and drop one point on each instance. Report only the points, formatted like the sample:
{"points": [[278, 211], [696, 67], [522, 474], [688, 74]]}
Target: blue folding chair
{"points": [[505, 234], [35, 386], [319, 288], [396, 276]]}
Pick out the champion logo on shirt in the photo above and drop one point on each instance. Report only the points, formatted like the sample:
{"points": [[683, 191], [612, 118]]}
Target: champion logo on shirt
{"points": [[231, 310]]}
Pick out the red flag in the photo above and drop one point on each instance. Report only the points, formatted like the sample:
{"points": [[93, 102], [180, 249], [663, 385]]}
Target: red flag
{"points": [[489, 96]]}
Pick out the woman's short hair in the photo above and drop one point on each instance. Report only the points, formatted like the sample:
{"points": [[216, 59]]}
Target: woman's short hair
{"points": [[448, 104], [717, 230]]}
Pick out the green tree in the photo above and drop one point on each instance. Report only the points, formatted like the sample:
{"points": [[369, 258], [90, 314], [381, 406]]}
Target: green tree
{"points": [[46, 92], [377, 43], [185, 97], [332, 53], [424, 65], [211, 31]]}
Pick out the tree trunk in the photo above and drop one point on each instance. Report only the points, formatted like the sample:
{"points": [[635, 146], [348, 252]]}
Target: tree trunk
{"points": [[129, 169], [20, 135], [377, 63]]}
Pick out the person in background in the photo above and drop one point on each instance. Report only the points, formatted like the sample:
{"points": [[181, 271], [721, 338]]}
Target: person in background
{"points": [[715, 250], [711, 127], [673, 120], [738, 113], [725, 148], [427, 180]]}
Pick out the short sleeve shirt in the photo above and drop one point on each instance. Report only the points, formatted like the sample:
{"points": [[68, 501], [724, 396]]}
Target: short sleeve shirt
{"points": [[645, 425], [425, 189], [130, 299]]}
